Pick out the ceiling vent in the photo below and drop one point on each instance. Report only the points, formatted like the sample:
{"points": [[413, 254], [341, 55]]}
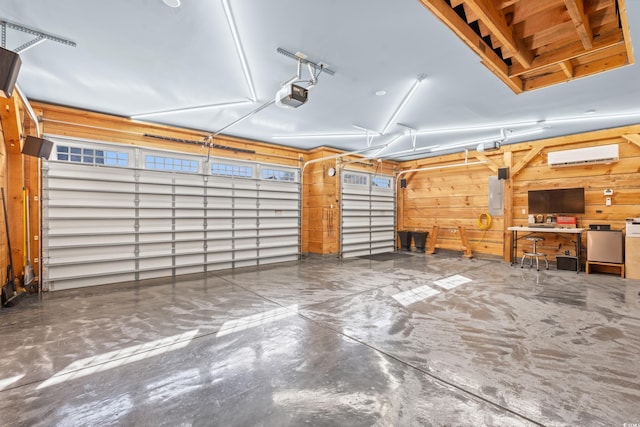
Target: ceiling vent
{"points": [[603, 154]]}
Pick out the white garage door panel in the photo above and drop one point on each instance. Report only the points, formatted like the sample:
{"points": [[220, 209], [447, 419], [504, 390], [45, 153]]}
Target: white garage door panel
{"points": [[216, 257], [277, 232], [86, 231], [88, 253], [110, 239], [61, 271], [154, 273], [79, 198], [93, 280], [105, 224]]}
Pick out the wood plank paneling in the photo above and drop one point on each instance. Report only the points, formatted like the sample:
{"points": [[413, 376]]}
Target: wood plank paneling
{"points": [[458, 197]]}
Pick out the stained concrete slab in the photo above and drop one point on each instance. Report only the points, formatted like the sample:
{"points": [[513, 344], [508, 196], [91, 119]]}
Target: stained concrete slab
{"points": [[408, 339]]}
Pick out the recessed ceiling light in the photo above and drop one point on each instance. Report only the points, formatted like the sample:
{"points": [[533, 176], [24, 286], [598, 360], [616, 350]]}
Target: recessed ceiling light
{"points": [[172, 3], [381, 93]]}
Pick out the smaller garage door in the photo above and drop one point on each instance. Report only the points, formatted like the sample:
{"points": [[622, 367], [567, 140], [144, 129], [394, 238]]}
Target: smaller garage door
{"points": [[368, 214]]}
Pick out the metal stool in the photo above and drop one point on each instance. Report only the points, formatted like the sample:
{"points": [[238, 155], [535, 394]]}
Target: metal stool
{"points": [[534, 253]]}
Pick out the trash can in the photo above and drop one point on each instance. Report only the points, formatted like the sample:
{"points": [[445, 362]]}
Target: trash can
{"points": [[420, 240], [405, 240]]}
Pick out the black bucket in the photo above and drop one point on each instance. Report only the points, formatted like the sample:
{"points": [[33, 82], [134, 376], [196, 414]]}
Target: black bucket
{"points": [[420, 240], [405, 240]]}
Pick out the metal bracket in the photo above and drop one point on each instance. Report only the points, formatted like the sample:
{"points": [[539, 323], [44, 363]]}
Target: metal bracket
{"points": [[303, 60], [40, 36]]}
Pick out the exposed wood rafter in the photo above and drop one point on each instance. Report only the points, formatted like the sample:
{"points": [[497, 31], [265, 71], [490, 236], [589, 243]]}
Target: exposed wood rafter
{"points": [[495, 21], [533, 44], [633, 138], [581, 21]]}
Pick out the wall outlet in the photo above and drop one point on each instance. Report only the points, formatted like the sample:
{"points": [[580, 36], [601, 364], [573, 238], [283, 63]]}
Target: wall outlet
{"points": [[608, 192], [608, 201]]}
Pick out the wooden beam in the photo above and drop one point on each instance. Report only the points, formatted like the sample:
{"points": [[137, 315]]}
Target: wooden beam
{"points": [[526, 159], [633, 138], [490, 163], [486, 11], [10, 119], [489, 58], [624, 21], [581, 21], [541, 22], [571, 51], [14, 177], [567, 68], [525, 9], [506, 3], [507, 203]]}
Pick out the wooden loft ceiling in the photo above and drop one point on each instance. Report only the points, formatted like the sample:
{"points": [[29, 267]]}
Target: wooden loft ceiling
{"points": [[530, 44]]}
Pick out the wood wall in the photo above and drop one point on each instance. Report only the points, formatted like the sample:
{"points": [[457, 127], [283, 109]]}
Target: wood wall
{"points": [[321, 197], [449, 197], [458, 196], [320, 210], [450, 194], [320, 216], [14, 181]]}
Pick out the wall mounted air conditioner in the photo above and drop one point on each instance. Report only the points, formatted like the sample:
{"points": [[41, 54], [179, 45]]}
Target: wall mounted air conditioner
{"points": [[584, 156]]}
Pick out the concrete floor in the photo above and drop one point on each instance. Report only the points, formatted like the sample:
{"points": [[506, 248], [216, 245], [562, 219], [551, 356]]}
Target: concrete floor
{"points": [[396, 340]]}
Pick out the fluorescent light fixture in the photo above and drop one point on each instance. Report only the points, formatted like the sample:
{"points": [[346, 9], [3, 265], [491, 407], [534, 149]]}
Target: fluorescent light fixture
{"points": [[367, 131], [512, 134], [404, 102], [482, 127], [239, 49], [498, 138], [387, 145], [320, 136], [542, 123], [411, 151], [463, 144], [589, 118], [199, 107]]}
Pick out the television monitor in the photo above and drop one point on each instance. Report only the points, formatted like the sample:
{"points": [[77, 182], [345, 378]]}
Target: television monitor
{"points": [[558, 201]]}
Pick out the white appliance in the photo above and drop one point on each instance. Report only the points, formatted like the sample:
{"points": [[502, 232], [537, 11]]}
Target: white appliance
{"points": [[583, 156], [633, 227], [632, 249]]}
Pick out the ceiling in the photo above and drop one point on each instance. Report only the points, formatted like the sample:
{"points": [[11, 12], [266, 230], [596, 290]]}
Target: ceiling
{"points": [[134, 57]]}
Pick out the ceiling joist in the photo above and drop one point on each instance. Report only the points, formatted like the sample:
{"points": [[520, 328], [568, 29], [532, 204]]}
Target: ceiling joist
{"points": [[496, 23], [533, 44], [581, 21]]}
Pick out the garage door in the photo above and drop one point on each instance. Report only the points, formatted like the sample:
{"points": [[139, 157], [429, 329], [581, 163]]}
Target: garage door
{"points": [[368, 214], [114, 214]]}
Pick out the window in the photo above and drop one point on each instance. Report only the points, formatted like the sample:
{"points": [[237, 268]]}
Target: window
{"points": [[170, 164], [91, 156], [351, 178], [381, 182], [279, 174], [223, 169]]}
